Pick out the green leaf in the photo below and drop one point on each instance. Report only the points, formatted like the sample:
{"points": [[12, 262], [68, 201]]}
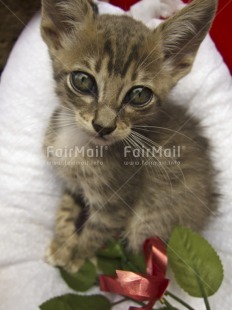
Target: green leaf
{"points": [[127, 265], [82, 280], [195, 264], [137, 261], [77, 302], [113, 250], [108, 266]]}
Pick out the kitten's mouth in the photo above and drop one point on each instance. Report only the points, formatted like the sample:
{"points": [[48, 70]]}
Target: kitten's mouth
{"points": [[102, 140], [97, 139]]}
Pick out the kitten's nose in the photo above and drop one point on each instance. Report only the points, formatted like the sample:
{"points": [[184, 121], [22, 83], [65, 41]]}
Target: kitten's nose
{"points": [[102, 130]]}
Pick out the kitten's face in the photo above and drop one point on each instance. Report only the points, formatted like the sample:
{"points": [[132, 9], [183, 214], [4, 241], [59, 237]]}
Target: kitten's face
{"points": [[112, 72], [110, 80]]}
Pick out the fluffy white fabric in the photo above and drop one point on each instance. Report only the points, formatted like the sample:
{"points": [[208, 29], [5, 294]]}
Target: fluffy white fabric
{"points": [[29, 191]]}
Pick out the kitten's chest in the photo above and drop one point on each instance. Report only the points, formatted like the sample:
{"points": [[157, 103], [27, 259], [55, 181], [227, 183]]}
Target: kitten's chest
{"points": [[74, 148], [82, 166]]}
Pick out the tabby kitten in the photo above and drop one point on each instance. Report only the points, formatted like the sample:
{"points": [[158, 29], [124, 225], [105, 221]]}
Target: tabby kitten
{"points": [[133, 164]]}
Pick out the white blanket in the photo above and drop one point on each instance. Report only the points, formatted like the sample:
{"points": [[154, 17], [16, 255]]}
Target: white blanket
{"points": [[29, 190]]}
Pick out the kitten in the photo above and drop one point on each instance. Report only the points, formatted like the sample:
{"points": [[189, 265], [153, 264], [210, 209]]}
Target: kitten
{"points": [[133, 164]]}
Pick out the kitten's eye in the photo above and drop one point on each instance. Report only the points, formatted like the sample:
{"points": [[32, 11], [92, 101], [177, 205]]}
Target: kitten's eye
{"points": [[139, 96], [83, 82]]}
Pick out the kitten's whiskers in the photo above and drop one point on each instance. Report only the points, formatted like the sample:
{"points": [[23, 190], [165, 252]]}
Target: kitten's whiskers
{"points": [[141, 144], [147, 128], [151, 143]]}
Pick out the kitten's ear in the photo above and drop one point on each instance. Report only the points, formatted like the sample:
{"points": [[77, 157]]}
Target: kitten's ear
{"points": [[61, 17], [182, 35]]}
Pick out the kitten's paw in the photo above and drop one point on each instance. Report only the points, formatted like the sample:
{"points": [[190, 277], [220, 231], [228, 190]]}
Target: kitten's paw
{"points": [[57, 254], [74, 265], [62, 255]]}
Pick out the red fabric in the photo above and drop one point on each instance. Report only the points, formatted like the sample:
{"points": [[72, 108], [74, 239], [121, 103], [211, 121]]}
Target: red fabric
{"points": [[142, 287], [124, 4], [221, 31]]}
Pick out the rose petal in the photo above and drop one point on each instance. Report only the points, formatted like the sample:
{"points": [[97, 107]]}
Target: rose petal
{"points": [[156, 257], [140, 287]]}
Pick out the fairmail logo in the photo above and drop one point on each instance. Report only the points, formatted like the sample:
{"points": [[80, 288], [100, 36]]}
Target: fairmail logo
{"points": [[157, 152]]}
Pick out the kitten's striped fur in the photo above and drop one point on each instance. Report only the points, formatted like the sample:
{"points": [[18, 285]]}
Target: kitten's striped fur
{"points": [[114, 200]]}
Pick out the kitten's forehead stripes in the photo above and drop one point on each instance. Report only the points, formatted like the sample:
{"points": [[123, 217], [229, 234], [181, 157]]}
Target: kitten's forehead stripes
{"points": [[109, 51], [119, 57], [134, 56], [119, 63]]}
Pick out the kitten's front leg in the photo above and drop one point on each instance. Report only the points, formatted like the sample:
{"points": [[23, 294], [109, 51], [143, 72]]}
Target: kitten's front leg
{"points": [[146, 223], [78, 235], [61, 250]]}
